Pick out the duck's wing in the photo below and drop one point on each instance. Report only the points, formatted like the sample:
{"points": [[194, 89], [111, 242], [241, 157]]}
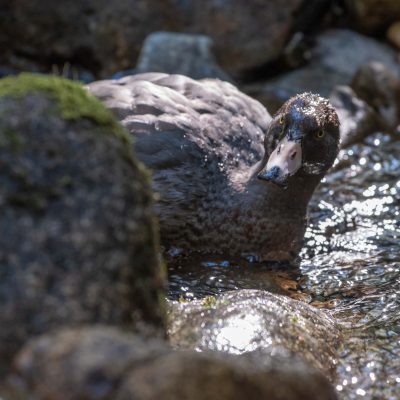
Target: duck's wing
{"points": [[177, 120]]}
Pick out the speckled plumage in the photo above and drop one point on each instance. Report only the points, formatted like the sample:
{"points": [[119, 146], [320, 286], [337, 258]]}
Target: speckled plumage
{"points": [[204, 142]]}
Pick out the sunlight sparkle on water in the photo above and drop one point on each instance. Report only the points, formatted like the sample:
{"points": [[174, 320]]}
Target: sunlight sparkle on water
{"points": [[238, 334]]}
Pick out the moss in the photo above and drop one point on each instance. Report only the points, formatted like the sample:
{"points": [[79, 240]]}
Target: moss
{"points": [[74, 102], [209, 302], [9, 137]]}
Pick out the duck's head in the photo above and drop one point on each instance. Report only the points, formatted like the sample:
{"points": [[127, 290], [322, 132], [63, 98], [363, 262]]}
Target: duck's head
{"points": [[302, 139]]}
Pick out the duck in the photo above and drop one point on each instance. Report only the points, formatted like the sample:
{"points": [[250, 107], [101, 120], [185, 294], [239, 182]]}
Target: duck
{"points": [[231, 179]]}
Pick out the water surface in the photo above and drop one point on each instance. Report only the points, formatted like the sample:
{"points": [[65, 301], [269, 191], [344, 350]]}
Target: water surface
{"points": [[350, 264]]}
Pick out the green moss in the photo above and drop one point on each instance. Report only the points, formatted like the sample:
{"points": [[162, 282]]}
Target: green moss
{"points": [[9, 137], [209, 302], [73, 101]]}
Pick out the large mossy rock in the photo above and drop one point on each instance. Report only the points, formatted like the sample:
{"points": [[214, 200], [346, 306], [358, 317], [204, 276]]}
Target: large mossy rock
{"points": [[78, 241]]}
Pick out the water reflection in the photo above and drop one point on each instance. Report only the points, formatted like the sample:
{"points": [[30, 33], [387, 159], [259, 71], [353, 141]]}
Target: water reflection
{"points": [[350, 264], [359, 267]]}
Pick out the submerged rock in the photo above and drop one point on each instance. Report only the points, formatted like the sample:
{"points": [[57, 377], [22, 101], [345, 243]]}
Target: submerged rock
{"points": [[179, 53], [103, 363], [247, 320], [78, 242]]}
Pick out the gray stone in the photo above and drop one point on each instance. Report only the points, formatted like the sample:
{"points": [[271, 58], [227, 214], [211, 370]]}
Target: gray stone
{"points": [[337, 56], [179, 53]]}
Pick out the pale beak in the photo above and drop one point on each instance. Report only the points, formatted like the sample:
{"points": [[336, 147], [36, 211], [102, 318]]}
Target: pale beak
{"points": [[283, 162]]}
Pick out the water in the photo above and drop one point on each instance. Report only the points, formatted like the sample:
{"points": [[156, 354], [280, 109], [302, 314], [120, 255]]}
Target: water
{"points": [[350, 265]]}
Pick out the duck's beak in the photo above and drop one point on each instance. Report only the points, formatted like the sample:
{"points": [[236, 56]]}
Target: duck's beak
{"points": [[283, 162]]}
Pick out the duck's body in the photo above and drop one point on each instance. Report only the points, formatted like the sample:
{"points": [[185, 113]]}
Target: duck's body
{"points": [[203, 141]]}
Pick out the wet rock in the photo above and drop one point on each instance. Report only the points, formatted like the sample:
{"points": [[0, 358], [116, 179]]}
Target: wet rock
{"points": [[103, 363], [380, 88], [104, 37], [248, 320], [179, 53], [78, 241], [336, 57], [373, 16], [357, 118]]}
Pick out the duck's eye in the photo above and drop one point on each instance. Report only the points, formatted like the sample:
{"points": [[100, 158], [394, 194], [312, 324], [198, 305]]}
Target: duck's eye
{"points": [[281, 120], [320, 134]]}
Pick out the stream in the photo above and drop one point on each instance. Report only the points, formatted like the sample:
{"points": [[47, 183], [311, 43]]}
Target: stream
{"points": [[350, 264]]}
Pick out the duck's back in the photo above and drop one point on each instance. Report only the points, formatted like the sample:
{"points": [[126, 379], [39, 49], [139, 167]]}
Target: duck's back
{"points": [[195, 136]]}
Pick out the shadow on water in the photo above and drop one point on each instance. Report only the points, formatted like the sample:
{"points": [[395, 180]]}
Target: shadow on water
{"points": [[350, 264]]}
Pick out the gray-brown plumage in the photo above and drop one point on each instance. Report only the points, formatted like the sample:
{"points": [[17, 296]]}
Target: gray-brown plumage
{"points": [[208, 145]]}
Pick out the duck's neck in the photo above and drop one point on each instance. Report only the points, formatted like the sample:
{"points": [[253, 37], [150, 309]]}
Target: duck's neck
{"points": [[293, 199]]}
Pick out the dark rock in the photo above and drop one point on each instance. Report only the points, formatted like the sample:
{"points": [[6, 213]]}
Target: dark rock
{"points": [[179, 53], [100, 36], [380, 88], [106, 37], [245, 34], [357, 118], [337, 56], [106, 364], [373, 16], [87, 362], [248, 320], [78, 242], [207, 376], [371, 104]]}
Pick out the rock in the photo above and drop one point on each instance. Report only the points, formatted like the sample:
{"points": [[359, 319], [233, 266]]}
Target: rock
{"points": [[373, 16], [357, 118], [393, 34], [103, 363], [94, 35], [247, 320], [179, 53], [337, 56], [78, 242], [86, 362], [380, 88], [104, 37], [207, 376], [245, 35]]}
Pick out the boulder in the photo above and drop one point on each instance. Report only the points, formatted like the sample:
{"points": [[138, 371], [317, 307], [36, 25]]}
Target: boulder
{"points": [[335, 58], [78, 240], [247, 320], [103, 363], [357, 118], [179, 53], [104, 37]]}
